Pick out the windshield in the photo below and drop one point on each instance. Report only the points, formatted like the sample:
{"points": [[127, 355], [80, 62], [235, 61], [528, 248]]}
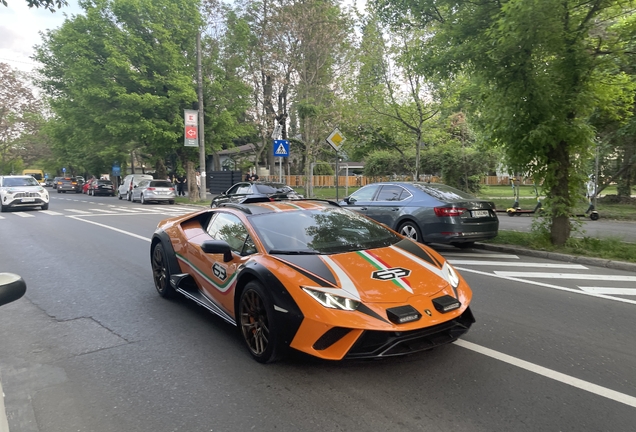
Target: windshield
{"points": [[325, 231], [443, 192], [20, 181]]}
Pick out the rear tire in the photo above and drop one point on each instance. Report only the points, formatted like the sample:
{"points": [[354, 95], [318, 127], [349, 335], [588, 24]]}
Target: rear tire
{"points": [[257, 325], [411, 230], [161, 272], [129, 196], [142, 199]]}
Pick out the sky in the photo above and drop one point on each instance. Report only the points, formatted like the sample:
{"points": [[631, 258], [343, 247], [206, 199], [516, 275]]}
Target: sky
{"points": [[20, 27]]}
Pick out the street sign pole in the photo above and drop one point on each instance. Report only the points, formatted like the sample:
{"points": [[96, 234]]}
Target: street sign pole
{"points": [[335, 140]]}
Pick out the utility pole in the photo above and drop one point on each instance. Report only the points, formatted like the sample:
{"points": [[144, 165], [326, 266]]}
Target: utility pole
{"points": [[202, 161]]}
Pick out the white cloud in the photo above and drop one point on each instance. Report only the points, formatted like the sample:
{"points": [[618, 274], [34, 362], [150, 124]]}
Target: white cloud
{"points": [[20, 27]]}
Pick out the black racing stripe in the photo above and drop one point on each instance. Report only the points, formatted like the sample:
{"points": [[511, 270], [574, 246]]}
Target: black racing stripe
{"points": [[411, 247], [312, 267], [365, 310]]}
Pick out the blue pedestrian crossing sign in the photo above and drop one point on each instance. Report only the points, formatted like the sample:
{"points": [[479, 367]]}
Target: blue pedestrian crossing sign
{"points": [[281, 148]]}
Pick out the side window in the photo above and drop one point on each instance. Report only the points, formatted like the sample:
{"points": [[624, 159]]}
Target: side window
{"points": [[143, 183], [365, 194], [233, 190], [392, 193], [229, 228], [244, 189]]}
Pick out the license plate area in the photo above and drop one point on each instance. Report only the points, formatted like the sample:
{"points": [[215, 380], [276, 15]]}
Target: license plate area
{"points": [[25, 200], [480, 213]]}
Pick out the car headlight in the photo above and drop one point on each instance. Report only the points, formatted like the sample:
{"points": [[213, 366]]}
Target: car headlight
{"points": [[332, 301], [451, 275]]}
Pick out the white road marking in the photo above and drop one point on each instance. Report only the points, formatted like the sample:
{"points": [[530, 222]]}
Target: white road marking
{"points": [[609, 290], [125, 210], [545, 285], [104, 211], [77, 211], [148, 209], [518, 264], [24, 215], [79, 218], [549, 373], [479, 255], [1, 217], [574, 276], [50, 212]]}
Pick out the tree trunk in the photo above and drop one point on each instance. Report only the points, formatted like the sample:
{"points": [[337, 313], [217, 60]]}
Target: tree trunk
{"points": [[560, 194]]}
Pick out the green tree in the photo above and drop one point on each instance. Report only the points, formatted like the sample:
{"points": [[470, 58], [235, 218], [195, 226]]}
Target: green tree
{"points": [[120, 75], [538, 64]]}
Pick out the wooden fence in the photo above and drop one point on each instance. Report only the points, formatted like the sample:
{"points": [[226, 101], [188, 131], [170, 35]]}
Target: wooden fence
{"points": [[357, 181]]}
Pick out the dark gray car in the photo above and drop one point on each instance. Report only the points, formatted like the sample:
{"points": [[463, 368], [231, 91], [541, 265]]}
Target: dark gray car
{"points": [[427, 212]]}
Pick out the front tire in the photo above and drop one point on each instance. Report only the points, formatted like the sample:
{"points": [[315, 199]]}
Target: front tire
{"points": [[161, 272], [119, 195], [45, 206], [257, 324], [411, 230]]}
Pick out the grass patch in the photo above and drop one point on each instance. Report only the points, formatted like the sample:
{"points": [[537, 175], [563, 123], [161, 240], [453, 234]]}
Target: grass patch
{"points": [[610, 249]]}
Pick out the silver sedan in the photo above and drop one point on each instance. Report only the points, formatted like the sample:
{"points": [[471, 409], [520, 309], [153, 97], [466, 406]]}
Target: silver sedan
{"points": [[154, 191]]}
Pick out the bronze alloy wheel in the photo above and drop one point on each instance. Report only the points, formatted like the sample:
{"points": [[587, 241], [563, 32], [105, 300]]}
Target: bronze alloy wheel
{"points": [[160, 272], [257, 324]]}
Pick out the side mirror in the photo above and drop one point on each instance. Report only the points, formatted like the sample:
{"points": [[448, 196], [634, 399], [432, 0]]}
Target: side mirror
{"points": [[12, 287], [349, 200], [217, 247]]}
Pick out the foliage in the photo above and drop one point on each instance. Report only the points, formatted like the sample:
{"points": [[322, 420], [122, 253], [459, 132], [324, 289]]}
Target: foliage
{"points": [[385, 162], [51, 5], [323, 168], [21, 142], [119, 77], [538, 65]]}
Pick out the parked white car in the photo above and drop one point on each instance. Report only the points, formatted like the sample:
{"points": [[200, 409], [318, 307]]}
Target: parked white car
{"points": [[154, 191], [22, 191], [129, 183]]}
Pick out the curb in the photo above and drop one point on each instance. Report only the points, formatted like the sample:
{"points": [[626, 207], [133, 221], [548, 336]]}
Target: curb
{"points": [[599, 262]]}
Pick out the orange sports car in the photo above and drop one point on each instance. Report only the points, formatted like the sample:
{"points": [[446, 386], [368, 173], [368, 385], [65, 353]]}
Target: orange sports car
{"points": [[311, 276]]}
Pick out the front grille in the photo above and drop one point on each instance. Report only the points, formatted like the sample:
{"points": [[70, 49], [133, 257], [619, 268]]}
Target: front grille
{"points": [[27, 195], [373, 344]]}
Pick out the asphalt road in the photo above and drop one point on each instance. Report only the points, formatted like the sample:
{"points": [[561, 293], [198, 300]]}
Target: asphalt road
{"points": [[92, 347]]}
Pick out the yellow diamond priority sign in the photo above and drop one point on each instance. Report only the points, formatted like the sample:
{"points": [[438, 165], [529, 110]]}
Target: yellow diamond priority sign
{"points": [[336, 139]]}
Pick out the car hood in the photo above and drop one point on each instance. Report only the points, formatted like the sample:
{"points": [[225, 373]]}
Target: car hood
{"points": [[16, 189], [386, 275]]}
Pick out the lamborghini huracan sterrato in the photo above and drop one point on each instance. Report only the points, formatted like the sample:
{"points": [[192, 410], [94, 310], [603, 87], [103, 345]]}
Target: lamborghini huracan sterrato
{"points": [[311, 276]]}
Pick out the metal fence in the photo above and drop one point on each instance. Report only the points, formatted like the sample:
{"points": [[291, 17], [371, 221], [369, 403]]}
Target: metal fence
{"points": [[357, 181]]}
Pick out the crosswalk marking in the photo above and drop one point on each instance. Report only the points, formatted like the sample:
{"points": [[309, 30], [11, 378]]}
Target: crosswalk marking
{"points": [[104, 211], [24, 215], [517, 264], [609, 290], [574, 276], [124, 210], [51, 212], [479, 255], [77, 211]]}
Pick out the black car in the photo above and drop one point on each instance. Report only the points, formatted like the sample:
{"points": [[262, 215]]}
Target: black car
{"points": [[101, 187], [243, 190], [68, 184]]}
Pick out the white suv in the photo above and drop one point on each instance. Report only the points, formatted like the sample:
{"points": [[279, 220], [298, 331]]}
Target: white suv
{"points": [[130, 181], [22, 191]]}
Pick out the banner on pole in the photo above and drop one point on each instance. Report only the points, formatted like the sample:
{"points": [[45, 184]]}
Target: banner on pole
{"points": [[191, 132]]}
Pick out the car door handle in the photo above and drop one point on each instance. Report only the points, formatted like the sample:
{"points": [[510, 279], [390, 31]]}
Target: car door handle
{"points": [[395, 209], [363, 208]]}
